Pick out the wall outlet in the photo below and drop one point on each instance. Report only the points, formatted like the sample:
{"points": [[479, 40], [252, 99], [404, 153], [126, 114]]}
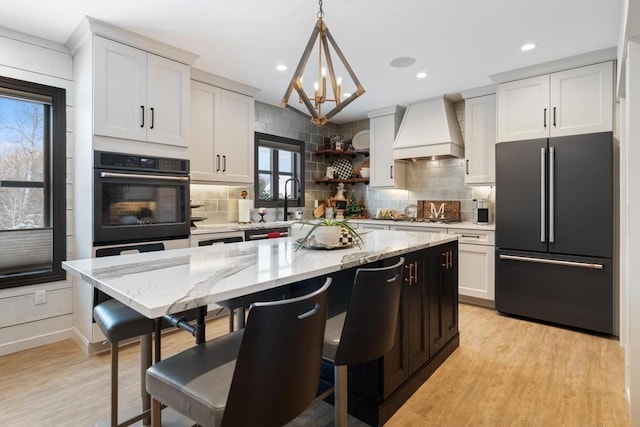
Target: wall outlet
{"points": [[41, 296]]}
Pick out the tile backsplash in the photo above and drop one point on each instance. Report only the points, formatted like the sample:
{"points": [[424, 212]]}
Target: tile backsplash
{"points": [[441, 179]]}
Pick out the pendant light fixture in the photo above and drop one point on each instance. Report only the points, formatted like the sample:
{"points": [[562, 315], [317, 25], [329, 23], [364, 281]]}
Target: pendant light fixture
{"points": [[314, 104]]}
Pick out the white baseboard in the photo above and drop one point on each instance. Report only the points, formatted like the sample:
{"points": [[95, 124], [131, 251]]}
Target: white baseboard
{"points": [[33, 342]]}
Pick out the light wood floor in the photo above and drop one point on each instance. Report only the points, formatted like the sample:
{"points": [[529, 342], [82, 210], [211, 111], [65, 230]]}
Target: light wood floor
{"points": [[507, 372]]}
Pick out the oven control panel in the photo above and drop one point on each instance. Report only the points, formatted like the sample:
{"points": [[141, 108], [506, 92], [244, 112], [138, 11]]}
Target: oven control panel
{"points": [[133, 162]]}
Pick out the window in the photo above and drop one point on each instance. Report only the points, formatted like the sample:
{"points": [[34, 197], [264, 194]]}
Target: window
{"points": [[32, 182], [278, 160]]}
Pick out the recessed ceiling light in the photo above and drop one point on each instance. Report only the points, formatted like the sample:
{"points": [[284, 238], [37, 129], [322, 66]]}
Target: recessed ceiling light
{"points": [[281, 67], [421, 75], [403, 62], [528, 46]]}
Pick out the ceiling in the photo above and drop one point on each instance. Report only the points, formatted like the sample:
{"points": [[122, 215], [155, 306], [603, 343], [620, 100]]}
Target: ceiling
{"points": [[459, 43]]}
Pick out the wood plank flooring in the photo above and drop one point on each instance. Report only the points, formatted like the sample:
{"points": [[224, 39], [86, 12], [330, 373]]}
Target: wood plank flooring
{"points": [[507, 372]]}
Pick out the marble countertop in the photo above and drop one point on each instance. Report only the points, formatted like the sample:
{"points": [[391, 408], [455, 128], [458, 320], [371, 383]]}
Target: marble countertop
{"points": [[157, 283]]}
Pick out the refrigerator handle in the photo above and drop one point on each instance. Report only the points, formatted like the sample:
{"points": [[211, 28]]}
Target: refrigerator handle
{"points": [[589, 265], [552, 184], [543, 169]]}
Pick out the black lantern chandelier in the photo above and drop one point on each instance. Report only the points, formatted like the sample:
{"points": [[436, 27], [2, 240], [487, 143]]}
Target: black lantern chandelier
{"points": [[315, 103]]}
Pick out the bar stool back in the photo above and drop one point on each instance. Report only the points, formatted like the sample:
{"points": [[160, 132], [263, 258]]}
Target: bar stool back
{"points": [[366, 330]]}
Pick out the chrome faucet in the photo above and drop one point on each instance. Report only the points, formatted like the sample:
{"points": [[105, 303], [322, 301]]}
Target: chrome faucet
{"points": [[297, 182]]}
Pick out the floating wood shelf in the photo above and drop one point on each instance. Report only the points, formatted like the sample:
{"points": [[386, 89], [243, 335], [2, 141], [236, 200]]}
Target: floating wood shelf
{"points": [[350, 153], [346, 181]]}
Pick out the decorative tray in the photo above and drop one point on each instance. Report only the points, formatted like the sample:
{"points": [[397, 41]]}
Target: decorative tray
{"points": [[312, 244]]}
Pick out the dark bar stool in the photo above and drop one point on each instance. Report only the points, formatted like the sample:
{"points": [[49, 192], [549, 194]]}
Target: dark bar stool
{"points": [[118, 323], [263, 375], [366, 330]]}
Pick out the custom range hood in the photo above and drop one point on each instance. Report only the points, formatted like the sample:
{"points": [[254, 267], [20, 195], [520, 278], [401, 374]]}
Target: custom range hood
{"points": [[429, 129]]}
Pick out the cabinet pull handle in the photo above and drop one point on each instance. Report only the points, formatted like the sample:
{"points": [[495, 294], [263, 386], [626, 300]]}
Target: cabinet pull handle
{"points": [[470, 236], [467, 166], [224, 163], [217, 162], [409, 279], [391, 171], [444, 255], [415, 274], [142, 124], [554, 116], [451, 258], [153, 118], [544, 118]]}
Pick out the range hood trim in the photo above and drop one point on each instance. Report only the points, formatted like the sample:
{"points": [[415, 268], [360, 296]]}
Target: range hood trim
{"points": [[429, 128]]}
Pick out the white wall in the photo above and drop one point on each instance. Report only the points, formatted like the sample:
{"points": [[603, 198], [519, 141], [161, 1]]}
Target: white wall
{"points": [[22, 323], [632, 249]]}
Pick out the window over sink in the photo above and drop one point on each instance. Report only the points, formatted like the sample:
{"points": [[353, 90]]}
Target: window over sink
{"points": [[278, 159]]}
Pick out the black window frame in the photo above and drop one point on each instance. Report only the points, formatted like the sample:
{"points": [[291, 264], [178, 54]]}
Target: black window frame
{"points": [[54, 175], [275, 143]]}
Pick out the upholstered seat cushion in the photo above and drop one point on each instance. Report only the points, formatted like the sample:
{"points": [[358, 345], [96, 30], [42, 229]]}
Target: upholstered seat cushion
{"points": [[332, 334], [119, 322], [197, 381]]}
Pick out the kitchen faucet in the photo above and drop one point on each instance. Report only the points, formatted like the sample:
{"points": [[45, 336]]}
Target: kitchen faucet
{"points": [[297, 182]]}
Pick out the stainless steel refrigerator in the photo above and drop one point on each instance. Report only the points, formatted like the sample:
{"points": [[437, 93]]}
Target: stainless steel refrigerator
{"points": [[554, 230]]}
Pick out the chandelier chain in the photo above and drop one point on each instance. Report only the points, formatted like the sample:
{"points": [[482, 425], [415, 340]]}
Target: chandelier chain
{"points": [[320, 14]]}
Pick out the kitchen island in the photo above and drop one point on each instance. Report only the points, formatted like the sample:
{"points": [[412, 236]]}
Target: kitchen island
{"points": [[171, 281]]}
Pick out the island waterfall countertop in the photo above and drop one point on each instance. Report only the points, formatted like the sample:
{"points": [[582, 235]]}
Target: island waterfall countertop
{"points": [[158, 283]]}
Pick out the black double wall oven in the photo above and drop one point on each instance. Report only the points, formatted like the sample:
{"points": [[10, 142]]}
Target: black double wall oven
{"points": [[139, 198]]}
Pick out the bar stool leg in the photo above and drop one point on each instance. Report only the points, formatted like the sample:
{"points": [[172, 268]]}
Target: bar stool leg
{"points": [[114, 384], [340, 395], [145, 363], [156, 410], [240, 318], [231, 322]]}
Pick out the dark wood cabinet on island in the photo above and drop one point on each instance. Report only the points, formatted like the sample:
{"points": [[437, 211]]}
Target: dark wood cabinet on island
{"points": [[427, 333]]}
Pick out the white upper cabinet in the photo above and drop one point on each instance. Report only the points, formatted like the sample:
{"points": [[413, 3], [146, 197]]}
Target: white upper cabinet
{"points": [[582, 100], [138, 95], [222, 146], [480, 140], [522, 109], [570, 102], [234, 137], [383, 127]]}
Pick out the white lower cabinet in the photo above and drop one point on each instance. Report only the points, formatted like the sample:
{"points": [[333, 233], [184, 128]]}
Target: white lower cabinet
{"points": [[476, 266]]}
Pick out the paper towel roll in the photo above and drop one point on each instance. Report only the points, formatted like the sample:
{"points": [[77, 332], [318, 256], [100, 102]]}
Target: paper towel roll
{"points": [[244, 210]]}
